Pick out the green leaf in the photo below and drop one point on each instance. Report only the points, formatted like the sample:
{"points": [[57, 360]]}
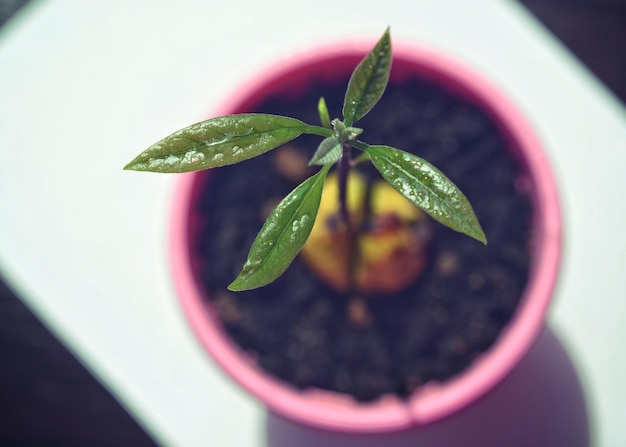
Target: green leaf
{"points": [[322, 109], [283, 235], [218, 142], [338, 126], [427, 188], [328, 152], [349, 134], [368, 81]]}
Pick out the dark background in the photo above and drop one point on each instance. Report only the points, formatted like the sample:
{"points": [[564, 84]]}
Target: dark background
{"points": [[48, 398]]}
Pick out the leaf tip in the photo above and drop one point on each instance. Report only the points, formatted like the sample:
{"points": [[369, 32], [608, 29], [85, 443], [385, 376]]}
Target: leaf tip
{"points": [[235, 286], [137, 164], [478, 234], [245, 282], [130, 167], [241, 283]]}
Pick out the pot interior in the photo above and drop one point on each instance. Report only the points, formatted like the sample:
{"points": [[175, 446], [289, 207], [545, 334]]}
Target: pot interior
{"points": [[463, 325]]}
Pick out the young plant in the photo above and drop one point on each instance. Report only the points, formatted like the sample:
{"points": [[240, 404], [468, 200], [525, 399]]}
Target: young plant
{"points": [[230, 139]]}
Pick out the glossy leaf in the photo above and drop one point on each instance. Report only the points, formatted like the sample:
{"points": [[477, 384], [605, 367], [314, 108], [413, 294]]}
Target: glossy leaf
{"points": [[283, 235], [427, 188], [218, 142], [329, 151], [368, 81]]}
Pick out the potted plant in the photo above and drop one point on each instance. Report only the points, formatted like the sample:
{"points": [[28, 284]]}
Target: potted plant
{"points": [[362, 227]]}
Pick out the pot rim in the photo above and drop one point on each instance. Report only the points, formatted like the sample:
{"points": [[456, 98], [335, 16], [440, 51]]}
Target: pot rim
{"points": [[327, 410]]}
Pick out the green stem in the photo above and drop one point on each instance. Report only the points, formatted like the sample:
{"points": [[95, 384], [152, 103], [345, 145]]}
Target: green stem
{"points": [[360, 145], [318, 130]]}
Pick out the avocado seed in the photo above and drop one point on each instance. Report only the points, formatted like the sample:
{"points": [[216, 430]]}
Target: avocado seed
{"points": [[390, 239]]}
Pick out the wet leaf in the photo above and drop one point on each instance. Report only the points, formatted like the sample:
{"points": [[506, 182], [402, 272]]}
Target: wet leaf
{"points": [[427, 188], [284, 233], [218, 142], [328, 152], [368, 81]]}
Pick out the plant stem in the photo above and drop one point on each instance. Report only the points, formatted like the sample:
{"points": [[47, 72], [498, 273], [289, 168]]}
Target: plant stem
{"points": [[318, 130], [344, 170], [345, 164]]}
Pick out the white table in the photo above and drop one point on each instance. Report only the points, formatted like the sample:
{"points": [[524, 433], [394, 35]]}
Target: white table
{"points": [[84, 86]]}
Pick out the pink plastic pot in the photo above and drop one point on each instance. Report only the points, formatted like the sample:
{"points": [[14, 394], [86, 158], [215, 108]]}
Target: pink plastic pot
{"points": [[328, 411]]}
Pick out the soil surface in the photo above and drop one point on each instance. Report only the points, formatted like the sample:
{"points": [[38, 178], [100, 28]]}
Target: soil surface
{"points": [[308, 335]]}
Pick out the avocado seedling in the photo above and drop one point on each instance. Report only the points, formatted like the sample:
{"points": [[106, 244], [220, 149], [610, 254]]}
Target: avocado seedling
{"points": [[380, 208]]}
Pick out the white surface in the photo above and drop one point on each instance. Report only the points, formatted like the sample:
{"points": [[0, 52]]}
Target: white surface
{"points": [[84, 86]]}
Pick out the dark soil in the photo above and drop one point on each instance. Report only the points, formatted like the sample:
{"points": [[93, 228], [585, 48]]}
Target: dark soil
{"points": [[298, 329]]}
